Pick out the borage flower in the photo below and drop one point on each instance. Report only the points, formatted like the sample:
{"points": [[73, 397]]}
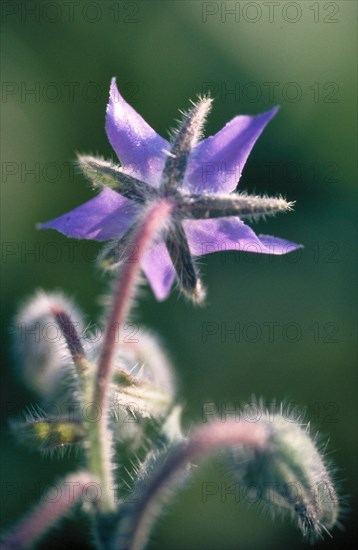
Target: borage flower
{"points": [[198, 177]]}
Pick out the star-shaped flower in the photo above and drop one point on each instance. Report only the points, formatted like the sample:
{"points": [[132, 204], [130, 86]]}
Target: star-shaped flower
{"points": [[198, 176]]}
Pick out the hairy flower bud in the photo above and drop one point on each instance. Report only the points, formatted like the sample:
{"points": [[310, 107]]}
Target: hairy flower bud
{"points": [[46, 434], [155, 367], [40, 341], [290, 474], [143, 378], [142, 391]]}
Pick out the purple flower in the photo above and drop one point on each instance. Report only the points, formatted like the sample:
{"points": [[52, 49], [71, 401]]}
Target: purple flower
{"points": [[199, 176]]}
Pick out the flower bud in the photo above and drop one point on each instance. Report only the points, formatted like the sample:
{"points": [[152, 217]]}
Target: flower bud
{"points": [[290, 474], [46, 434], [40, 344], [144, 379]]}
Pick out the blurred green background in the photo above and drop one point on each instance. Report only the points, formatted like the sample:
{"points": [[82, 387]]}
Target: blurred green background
{"points": [[251, 55]]}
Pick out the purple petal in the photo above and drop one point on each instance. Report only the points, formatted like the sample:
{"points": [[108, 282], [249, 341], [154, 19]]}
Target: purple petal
{"points": [[216, 163], [107, 216], [216, 235], [138, 146], [159, 270], [278, 246]]}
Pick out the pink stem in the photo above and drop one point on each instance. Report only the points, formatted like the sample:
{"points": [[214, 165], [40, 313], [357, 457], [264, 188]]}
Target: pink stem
{"points": [[134, 529], [100, 442], [155, 219], [46, 514], [72, 338]]}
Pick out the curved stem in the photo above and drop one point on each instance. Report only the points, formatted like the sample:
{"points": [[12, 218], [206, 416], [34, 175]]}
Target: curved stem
{"points": [[100, 439], [47, 513], [155, 219], [134, 528]]}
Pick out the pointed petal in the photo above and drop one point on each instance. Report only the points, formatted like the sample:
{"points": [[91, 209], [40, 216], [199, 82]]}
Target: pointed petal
{"points": [[278, 246], [137, 145], [107, 216], [216, 163], [159, 270], [216, 235]]}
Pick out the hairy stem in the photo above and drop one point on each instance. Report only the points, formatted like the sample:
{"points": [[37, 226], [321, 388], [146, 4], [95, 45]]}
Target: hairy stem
{"points": [[72, 338], [48, 512], [100, 441], [154, 221], [139, 517]]}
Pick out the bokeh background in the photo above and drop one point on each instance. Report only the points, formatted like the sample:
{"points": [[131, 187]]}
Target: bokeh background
{"points": [[57, 62]]}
